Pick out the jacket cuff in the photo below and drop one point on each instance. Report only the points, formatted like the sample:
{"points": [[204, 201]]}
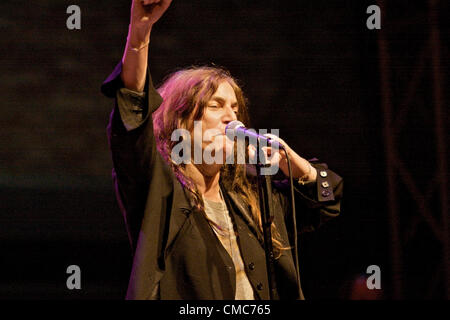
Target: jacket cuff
{"points": [[134, 107], [324, 183], [130, 104], [321, 190]]}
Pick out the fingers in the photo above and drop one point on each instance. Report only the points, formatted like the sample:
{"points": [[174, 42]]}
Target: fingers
{"points": [[272, 155], [276, 138], [251, 152], [146, 2]]}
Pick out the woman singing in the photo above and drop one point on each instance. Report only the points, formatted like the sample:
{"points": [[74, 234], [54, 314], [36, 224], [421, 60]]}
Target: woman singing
{"points": [[195, 227]]}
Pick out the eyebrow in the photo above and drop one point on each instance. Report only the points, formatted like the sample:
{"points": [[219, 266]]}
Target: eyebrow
{"points": [[222, 101]]}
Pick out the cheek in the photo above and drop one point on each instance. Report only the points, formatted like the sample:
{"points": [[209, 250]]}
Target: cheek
{"points": [[211, 120]]}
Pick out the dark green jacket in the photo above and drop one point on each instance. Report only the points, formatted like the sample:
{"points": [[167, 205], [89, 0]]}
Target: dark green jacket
{"points": [[176, 253]]}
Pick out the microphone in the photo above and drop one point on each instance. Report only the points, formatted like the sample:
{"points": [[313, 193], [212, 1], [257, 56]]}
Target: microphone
{"points": [[237, 129]]}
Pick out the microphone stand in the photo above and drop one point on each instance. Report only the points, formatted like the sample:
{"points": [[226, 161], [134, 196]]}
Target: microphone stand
{"points": [[267, 216]]}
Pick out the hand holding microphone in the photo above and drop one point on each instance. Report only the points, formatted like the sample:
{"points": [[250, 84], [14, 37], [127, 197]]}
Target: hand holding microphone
{"points": [[271, 148]]}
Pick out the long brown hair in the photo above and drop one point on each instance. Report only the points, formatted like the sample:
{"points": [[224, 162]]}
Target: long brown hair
{"points": [[185, 96]]}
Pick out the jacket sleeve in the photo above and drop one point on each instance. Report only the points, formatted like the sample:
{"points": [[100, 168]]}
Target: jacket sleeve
{"points": [[132, 146], [315, 202]]}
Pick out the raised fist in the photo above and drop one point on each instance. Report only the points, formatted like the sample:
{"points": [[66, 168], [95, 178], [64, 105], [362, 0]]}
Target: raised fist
{"points": [[147, 12]]}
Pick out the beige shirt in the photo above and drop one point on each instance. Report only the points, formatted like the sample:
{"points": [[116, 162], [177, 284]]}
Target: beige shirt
{"points": [[218, 213]]}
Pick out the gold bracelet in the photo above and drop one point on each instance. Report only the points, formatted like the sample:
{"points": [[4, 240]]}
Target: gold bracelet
{"points": [[302, 179], [139, 49]]}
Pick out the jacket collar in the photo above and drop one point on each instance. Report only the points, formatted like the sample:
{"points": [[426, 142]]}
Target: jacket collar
{"points": [[184, 210]]}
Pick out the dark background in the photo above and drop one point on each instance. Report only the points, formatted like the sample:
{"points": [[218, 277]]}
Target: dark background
{"points": [[310, 68]]}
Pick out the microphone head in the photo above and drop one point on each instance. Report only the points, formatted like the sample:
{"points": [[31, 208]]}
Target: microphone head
{"points": [[231, 127]]}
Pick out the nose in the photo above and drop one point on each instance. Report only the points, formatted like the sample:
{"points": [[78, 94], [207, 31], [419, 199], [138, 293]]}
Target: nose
{"points": [[229, 115]]}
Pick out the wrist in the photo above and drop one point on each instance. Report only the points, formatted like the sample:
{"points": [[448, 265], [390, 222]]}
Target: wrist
{"points": [[138, 35], [309, 175]]}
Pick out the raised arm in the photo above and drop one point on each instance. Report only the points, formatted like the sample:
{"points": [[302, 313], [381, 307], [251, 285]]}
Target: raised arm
{"points": [[144, 13], [130, 129]]}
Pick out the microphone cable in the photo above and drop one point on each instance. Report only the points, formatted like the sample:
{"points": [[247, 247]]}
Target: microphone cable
{"points": [[294, 219]]}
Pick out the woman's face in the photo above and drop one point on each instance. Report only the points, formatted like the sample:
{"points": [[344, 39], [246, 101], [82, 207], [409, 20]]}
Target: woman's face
{"points": [[221, 109]]}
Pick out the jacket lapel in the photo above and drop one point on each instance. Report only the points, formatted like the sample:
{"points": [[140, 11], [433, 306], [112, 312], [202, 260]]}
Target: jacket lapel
{"points": [[179, 213], [244, 212]]}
